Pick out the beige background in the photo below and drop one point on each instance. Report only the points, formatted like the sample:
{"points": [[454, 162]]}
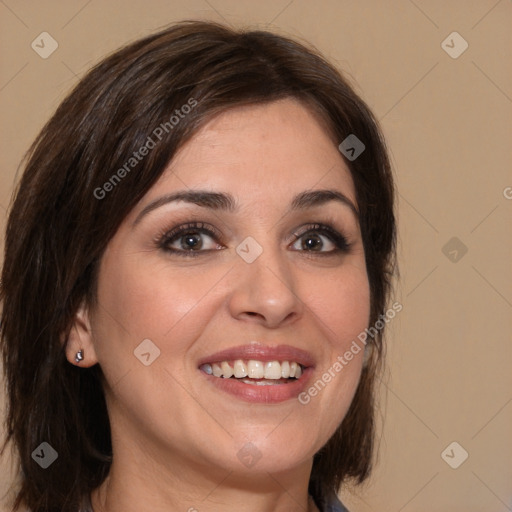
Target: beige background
{"points": [[448, 123]]}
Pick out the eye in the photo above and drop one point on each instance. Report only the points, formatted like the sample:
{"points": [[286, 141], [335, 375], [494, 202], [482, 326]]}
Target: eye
{"points": [[196, 238], [320, 238], [190, 239]]}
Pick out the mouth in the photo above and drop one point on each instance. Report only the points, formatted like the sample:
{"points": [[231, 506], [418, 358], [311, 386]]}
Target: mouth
{"points": [[255, 372], [258, 373]]}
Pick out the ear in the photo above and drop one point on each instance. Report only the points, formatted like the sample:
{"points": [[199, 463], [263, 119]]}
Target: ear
{"points": [[80, 339]]}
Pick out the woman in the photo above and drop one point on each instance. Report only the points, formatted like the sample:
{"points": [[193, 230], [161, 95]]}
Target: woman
{"points": [[200, 244]]}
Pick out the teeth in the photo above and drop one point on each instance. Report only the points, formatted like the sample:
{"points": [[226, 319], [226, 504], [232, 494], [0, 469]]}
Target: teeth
{"points": [[272, 370], [252, 369], [255, 369], [227, 371], [240, 369], [207, 368], [260, 382], [285, 369]]}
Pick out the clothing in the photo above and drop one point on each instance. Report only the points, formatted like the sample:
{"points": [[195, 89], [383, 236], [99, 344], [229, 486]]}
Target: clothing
{"points": [[329, 502], [326, 503]]}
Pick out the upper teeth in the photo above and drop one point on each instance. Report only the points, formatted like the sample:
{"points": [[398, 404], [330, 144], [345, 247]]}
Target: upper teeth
{"points": [[254, 369]]}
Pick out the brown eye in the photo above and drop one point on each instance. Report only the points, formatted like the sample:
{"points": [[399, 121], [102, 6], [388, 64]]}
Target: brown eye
{"points": [[314, 242], [321, 239], [189, 240]]}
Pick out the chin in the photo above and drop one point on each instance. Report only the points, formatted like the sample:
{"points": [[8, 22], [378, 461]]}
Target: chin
{"points": [[265, 454]]}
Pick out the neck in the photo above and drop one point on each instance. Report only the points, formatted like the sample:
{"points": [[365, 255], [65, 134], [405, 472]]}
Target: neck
{"points": [[135, 484]]}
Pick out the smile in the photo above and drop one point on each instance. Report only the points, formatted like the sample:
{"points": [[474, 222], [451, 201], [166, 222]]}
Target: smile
{"points": [[254, 371]]}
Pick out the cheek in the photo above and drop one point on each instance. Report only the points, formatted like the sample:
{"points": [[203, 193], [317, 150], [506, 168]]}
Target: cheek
{"points": [[158, 302], [342, 305], [342, 309], [151, 300], [154, 300]]}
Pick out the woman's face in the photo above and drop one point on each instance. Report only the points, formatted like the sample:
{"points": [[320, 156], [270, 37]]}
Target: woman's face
{"points": [[260, 278]]}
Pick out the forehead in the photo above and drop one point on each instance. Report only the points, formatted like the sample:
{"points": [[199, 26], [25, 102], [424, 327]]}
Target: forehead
{"points": [[259, 152]]}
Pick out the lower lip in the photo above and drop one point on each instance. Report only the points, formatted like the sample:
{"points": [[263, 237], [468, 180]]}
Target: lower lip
{"points": [[269, 394]]}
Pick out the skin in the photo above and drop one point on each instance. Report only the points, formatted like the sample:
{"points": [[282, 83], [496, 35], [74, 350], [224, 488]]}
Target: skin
{"points": [[175, 435]]}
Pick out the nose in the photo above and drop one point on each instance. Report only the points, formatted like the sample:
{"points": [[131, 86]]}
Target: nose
{"points": [[266, 291]]}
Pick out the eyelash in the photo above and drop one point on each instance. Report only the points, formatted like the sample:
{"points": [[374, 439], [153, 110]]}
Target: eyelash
{"points": [[166, 238]]}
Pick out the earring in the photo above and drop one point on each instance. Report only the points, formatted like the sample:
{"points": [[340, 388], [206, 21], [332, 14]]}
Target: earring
{"points": [[79, 355]]}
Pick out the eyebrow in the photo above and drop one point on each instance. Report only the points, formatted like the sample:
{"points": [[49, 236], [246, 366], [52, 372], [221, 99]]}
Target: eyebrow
{"points": [[226, 202]]}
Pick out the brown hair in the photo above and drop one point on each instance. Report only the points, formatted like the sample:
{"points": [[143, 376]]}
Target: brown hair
{"points": [[58, 228]]}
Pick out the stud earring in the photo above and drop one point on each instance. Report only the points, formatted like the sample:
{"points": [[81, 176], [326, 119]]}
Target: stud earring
{"points": [[79, 355]]}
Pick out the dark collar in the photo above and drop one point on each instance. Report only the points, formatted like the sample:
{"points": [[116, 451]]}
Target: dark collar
{"points": [[328, 502]]}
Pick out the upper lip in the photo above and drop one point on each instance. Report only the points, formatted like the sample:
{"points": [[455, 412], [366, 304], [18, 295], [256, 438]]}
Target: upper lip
{"points": [[261, 352]]}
